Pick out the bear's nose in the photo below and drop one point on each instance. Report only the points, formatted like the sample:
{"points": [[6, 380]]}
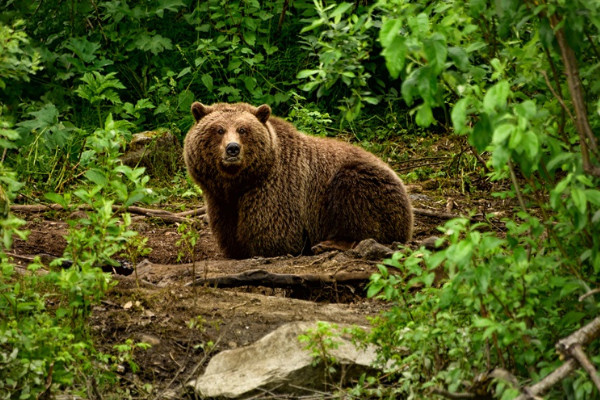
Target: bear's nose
{"points": [[232, 149]]}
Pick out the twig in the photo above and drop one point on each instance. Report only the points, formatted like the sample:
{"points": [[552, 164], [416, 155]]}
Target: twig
{"points": [[480, 159], [513, 177], [192, 213], [550, 380], [145, 212], [569, 347], [590, 293], [556, 95], [578, 354]]}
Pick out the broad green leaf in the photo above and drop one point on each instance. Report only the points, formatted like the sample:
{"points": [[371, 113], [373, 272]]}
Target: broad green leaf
{"points": [[460, 57], [496, 96], [502, 132], [185, 99], [306, 73], [424, 116], [579, 199], [530, 143], [389, 31], [57, 198], [96, 176], [481, 135], [593, 196], [395, 56], [459, 115], [436, 52], [340, 10], [207, 80]]}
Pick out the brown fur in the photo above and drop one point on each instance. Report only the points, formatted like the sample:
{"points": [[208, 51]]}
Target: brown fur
{"points": [[287, 191]]}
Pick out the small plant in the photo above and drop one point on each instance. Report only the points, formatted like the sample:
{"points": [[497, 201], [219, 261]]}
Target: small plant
{"points": [[135, 248], [187, 244], [125, 353], [320, 341], [308, 118]]}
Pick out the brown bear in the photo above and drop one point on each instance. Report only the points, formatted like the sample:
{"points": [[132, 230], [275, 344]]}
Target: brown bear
{"points": [[271, 190]]}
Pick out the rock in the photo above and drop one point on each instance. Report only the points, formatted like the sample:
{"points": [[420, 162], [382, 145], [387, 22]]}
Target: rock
{"points": [[158, 151], [279, 364], [369, 249], [429, 243]]}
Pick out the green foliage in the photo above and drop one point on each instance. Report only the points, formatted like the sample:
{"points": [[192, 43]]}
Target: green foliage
{"points": [[342, 47], [17, 59], [506, 299], [320, 341]]}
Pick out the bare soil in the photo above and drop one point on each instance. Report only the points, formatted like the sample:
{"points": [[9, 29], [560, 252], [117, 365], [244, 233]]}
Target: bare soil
{"points": [[187, 324]]}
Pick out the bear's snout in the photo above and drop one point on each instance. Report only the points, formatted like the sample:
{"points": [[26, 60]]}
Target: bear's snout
{"points": [[233, 149]]}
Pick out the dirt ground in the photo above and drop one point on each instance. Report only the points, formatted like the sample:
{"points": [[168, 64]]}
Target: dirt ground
{"points": [[188, 324]]}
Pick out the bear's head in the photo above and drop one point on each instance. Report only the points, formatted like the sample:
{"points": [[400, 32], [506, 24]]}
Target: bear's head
{"points": [[230, 142]]}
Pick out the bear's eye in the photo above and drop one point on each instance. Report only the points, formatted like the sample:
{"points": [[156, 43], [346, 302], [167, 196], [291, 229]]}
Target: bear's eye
{"points": [[242, 131], [220, 131]]}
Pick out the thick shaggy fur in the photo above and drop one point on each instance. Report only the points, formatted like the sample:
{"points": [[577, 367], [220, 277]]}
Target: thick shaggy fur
{"points": [[285, 191]]}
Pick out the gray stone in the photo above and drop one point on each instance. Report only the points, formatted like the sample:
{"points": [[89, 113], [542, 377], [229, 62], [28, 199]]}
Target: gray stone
{"points": [[158, 151], [280, 364]]}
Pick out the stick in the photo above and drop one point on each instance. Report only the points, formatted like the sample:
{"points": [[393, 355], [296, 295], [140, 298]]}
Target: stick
{"points": [[260, 277], [570, 347], [145, 212]]}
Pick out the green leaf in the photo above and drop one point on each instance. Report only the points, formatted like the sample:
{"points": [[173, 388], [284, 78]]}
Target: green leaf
{"points": [[459, 115], [250, 38], [481, 135], [306, 73], [389, 31], [502, 132], [579, 199], [96, 176], [57, 198], [395, 56], [340, 10], [83, 48], [207, 80], [185, 99], [170, 5], [424, 116], [394, 47], [593, 196], [530, 144], [496, 96], [436, 52], [459, 56]]}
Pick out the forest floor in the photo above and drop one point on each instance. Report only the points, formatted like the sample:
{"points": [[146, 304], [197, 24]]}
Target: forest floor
{"points": [[187, 324]]}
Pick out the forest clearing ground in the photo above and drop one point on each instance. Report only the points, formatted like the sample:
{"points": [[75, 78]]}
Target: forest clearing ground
{"points": [[160, 306]]}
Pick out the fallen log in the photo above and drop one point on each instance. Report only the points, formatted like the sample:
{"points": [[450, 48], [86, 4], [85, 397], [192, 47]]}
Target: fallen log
{"points": [[260, 277], [142, 212]]}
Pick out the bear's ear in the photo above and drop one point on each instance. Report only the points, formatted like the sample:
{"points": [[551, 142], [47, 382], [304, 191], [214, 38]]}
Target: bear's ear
{"points": [[199, 110], [263, 113]]}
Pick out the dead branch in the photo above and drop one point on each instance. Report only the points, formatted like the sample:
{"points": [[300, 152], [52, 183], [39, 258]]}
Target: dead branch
{"points": [[588, 294], [260, 277], [164, 215], [33, 208], [571, 347], [436, 214], [192, 213]]}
